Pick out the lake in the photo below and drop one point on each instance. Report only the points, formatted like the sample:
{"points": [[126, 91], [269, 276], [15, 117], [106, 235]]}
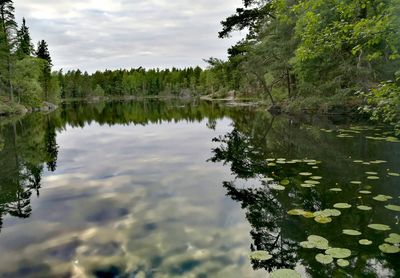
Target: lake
{"points": [[154, 188]]}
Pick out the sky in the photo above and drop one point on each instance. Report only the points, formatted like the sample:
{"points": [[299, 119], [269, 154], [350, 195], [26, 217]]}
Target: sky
{"points": [[111, 34]]}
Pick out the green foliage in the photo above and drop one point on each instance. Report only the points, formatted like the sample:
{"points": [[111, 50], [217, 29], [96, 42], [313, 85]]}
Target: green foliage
{"points": [[28, 72], [384, 103]]}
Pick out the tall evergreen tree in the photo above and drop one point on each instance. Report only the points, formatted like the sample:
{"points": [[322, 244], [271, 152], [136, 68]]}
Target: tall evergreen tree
{"points": [[43, 53], [7, 42], [25, 47]]}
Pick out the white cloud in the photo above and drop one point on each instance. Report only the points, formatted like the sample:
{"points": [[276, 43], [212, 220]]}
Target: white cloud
{"points": [[100, 34]]}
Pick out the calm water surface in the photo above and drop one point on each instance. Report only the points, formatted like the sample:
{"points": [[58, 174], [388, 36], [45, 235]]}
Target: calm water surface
{"points": [[172, 189]]}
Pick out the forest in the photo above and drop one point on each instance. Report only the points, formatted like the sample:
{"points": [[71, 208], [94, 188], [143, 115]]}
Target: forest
{"points": [[314, 55]]}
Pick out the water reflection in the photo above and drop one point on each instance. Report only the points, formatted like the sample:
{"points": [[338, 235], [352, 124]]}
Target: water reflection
{"points": [[27, 144], [262, 153], [130, 188]]}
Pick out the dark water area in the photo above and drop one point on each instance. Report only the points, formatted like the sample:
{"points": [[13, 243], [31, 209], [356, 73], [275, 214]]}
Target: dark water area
{"points": [[191, 189]]}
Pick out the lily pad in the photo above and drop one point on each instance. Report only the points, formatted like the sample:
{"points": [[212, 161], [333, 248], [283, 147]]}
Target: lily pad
{"points": [[328, 213], [379, 227], [372, 173], [306, 185], [271, 164], [307, 245], [285, 273], [260, 256], [373, 178], [394, 174], [338, 253], [285, 182], [382, 198], [350, 232], [342, 206], [316, 178], [305, 174], [308, 214], [356, 182], [364, 208], [277, 187], [312, 182], [323, 219], [324, 259], [388, 248], [365, 242], [335, 189], [393, 239], [319, 242], [343, 263], [365, 192], [296, 212], [393, 207]]}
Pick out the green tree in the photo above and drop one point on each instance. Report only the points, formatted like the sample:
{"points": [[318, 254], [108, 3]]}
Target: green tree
{"points": [[24, 45], [43, 53], [7, 42]]}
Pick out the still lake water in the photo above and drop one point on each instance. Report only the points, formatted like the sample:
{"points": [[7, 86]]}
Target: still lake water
{"points": [[171, 189]]}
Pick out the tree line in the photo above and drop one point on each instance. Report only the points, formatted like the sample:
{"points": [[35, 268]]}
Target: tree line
{"points": [[317, 48], [25, 71]]}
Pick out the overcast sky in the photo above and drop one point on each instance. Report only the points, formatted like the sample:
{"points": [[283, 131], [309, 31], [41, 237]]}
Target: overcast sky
{"points": [[110, 34]]}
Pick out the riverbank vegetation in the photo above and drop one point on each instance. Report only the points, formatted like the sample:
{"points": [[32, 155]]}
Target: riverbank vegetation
{"points": [[329, 56]]}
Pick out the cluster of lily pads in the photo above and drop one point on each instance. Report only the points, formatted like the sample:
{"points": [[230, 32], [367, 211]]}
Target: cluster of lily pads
{"points": [[321, 243], [323, 216], [355, 130]]}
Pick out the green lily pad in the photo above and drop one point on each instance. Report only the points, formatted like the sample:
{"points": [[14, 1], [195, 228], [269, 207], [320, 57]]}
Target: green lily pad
{"points": [[388, 248], [379, 227], [323, 219], [277, 187], [393, 207], [394, 174], [296, 212], [312, 182], [393, 239], [307, 245], [365, 242], [335, 189], [306, 185], [338, 253], [324, 259], [316, 178], [271, 164], [350, 232], [382, 198], [305, 174], [373, 178], [364, 208], [285, 273], [356, 182], [365, 192], [358, 161], [328, 213], [372, 173], [260, 256], [342, 206], [319, 242], [285, 182], [343, 263], [308, 214]]}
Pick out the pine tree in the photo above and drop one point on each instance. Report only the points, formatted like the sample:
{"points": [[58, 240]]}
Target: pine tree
{"points": [[43, 53], [7, 42], [25, 47]]}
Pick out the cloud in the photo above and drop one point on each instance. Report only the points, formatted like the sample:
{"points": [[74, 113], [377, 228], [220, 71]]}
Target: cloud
{"points": [[109, 34]]}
